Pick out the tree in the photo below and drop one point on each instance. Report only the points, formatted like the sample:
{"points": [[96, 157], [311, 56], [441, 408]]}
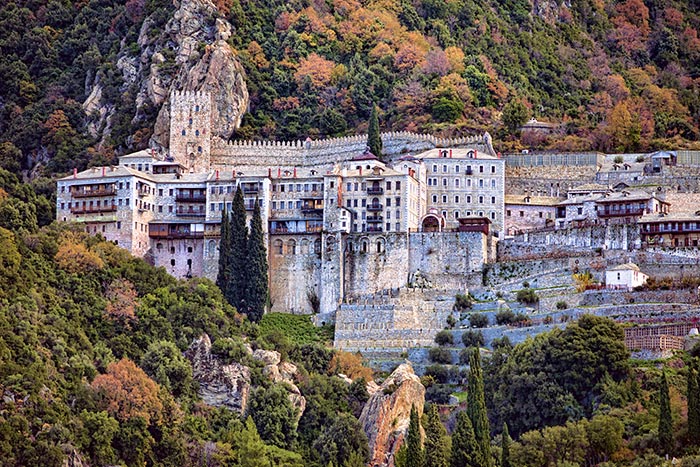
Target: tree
{"points": [[505, 446], [222, 278], [256, 287], [444, 337], [465, 449], [514, 115], [237, 266], [99, 430], [374, 138], [127, 392], [665, 420], [476, 407], [693, 403], [478, 320], [414, 449], [473, 338], [251, 450], [164, 362], [343, 441], [437, 450], [274, 415]]}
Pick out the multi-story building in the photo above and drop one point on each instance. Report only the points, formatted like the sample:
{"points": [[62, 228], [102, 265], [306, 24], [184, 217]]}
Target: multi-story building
{"points": [[675, 229], [167, 208], [463, 183], [528, 212]]}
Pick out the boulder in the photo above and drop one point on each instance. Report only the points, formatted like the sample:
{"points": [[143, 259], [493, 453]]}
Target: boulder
{"points": [[220, 385], [386, 415], [268, 357]]}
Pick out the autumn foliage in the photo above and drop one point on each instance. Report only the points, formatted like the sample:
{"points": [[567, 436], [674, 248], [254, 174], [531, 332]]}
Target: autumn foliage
{"points": [[126, 391], [76, 258]]}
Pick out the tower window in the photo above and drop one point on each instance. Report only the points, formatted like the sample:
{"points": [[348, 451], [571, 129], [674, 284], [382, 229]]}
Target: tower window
{"points": [[196, 108], [196, 132], [184, 133]]}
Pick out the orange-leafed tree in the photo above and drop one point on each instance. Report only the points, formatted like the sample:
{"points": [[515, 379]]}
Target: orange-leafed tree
{"points": [[126, 391], [122, 300], [317, 69], [74, 257]]}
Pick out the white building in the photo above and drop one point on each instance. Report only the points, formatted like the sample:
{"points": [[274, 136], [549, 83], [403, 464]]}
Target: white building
{"points": [[625, 276]]}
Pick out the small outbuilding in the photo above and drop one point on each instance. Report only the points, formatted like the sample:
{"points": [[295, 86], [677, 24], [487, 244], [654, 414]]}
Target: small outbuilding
{"points": [[625, 276]]}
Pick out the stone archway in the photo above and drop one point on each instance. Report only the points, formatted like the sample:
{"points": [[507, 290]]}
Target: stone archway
{"points": [[432, 223]]}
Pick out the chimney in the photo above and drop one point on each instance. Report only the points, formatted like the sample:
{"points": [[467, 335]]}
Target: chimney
{"points": [[295, 172], [217, 174], [279, 172], [234, 174], [75, 172], [360, 171], [269, 172], [103, 170], [450, 153]]}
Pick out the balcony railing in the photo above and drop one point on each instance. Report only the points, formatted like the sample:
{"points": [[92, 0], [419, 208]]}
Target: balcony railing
{"points": [[377, 228], [674, 229], [190, 213], [191, 198], [375, 190], [621, 212], [93, 209], [250, 190], [375, 219], [93, 193], [176, 235], [375, 207], [311, 210]]}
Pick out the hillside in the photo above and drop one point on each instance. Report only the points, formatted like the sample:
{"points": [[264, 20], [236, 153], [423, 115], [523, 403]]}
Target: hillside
{"points": [[81, 81]]}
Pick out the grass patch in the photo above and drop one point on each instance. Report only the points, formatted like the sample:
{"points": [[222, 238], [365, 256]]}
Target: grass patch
{"points": [[297, 328], [461, 396]]}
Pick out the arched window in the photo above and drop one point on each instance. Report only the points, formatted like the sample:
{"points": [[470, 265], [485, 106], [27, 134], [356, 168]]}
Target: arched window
{"points": [[196, 132], [364, 246], [381, 248], [304, 244], [278, 247], [292, 247], [317, 246], [212, 248], [184, 133]]}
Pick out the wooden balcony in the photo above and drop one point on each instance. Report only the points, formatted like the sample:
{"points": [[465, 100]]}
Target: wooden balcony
{"points": [[191, 198], [621, 212], [93, 209], [375, 207], [372, 228], [93, 193], [190, 212], [375, 190], [375, 219]]}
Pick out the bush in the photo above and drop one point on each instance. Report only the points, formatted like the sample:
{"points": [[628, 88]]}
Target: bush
{"points": [[505, 317], [618, 160], [562, 305], [438, 394], [640, 158], [439, 373], [478, 320], [444, 338], [473, 339], [501, 343], [451, 321], [463, 302], [527, 297], [440, 355], [464, 356]]}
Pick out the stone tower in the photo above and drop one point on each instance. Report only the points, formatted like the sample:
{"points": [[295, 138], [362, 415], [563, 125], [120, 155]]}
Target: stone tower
{"points": [[190, 129]]}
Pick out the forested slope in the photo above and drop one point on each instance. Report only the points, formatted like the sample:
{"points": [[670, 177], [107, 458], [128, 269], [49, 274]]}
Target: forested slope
{"points": [[619, 75]]}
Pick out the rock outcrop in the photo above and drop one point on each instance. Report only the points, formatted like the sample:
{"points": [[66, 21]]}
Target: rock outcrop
{"points": [[205, 62], [386, 414], [220, 385], [283, 372]]}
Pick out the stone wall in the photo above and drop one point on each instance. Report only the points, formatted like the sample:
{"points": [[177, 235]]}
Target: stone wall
{"points": [[557, 159], [607, 237], [375, 262], [547, 181], [258, 156], [295, 275]]}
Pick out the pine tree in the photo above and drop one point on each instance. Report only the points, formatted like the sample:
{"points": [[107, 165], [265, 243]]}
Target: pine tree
{"points": [[374, 139], [222, 277], [256, 290], [476, 407], [693, 403], [237, 267], [665, 420], [414, 450], [505, 446], [437, 453], [465, 449]]}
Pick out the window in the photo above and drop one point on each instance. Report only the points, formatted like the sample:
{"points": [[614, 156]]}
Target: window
{"points": [[189, 249], [456, 182], [398, 214], [196, 133], [388, 214], [493, 183], [332, 186], [160, 207], [388, 185], [160, 191], [349, 203], [444, 182], [398, 202], [354, 203], [456, 199], [444, 169], [493, 200], [469, 182], [388, 227], [434, 198], [456, 169], [481, 199], [508, 213], [172, 261], [469, 199], [278, 247], [398, 226], [493, 169], [172, 250], [579, 211], [481, 169], [170, 209], [444, 199], [456, 214], [364, 203], [540, 214], [493, 215], [291, 247], [434, 167], [170, 193], [184, 132], [522, 213], [119, 224]]}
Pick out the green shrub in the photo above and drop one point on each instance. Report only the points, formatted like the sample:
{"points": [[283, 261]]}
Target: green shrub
{"points": [[527, 296], [473, 339], [439, 373], [505, 317], [463, 302], [297, 328], [562, 305], [618, 160], [440, 355], [640, 158], [478, 320], [444, 338]]}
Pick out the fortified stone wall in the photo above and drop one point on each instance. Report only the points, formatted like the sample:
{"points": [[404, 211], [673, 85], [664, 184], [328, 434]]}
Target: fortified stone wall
{"points": [[608, 237], [258, 156], [559, 159], [374, 263], [443, 257], [295, 275], [547, 181]]}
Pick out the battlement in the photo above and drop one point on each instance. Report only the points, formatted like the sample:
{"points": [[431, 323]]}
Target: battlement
{"points": [[188, 95]]}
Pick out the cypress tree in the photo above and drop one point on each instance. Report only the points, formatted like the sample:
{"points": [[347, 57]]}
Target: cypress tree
{"points": [[505, 446], [465, 449], [374, 139], [693, 403], [476, 407], [414, 450], [224, 253], [437, 453], [256, 290], [238, 271], [665, 420]]}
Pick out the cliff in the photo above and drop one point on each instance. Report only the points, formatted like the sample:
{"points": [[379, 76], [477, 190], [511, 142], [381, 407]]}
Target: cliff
{"points": [[386, 414]]}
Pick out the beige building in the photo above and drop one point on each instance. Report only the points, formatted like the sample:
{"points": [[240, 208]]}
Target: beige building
{"points": [[527, 212]]}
